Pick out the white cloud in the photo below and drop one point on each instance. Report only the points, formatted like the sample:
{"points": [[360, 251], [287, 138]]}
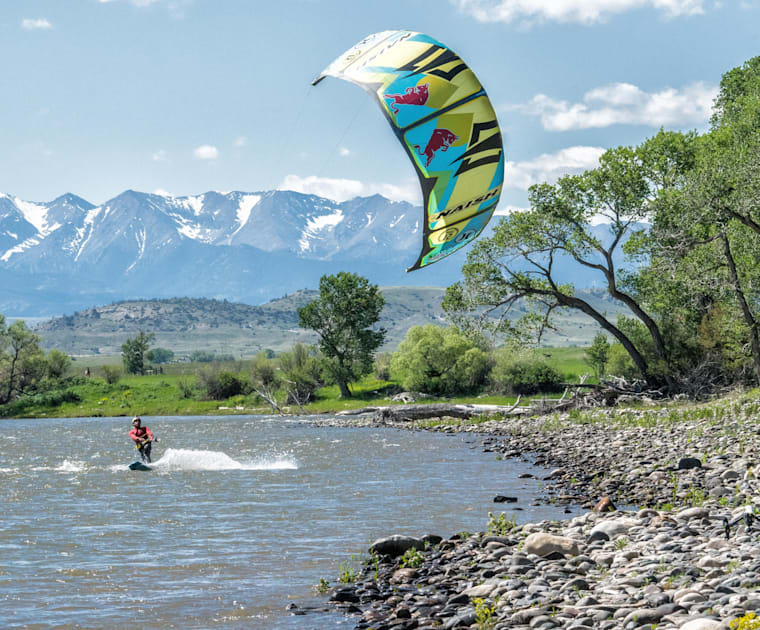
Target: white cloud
{"points": [[159, 156], [504, 211], [344, 152], [551, 166], [206, 152], [36, 24], [579, 11], [159, 191], [623, 103], [345, 189], [241, 141]]}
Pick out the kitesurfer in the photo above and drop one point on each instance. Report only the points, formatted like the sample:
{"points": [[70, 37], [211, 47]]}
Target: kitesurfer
{"points": [[142, 438]]}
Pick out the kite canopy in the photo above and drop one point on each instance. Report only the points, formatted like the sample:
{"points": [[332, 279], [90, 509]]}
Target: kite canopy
{"points": [[443, 118]]}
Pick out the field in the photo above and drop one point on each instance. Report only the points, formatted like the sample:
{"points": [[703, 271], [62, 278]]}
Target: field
{"points": [[170, 392]]}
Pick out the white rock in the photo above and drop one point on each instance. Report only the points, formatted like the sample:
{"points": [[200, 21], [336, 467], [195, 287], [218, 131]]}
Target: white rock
{"points": [[543, 544], [701, 624]]}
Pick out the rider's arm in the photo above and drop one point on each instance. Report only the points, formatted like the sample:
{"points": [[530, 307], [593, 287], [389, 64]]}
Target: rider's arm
{"points": [[150, 434]]}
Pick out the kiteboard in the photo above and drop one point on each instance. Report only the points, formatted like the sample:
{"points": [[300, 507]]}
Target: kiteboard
{"points": [[139, 466]]}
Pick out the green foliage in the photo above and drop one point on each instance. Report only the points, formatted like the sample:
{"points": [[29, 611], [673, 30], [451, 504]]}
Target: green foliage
{"points": [[159, 355], [485, 614], [301, 373], [620, 363], [412, 559], [111, 374], [383, 366], [747, 622], [522, 374], [439, 361], [133, 352], [598, 354], [58, 364], [322, 586], [343, 315], [219, 384], [185, 389], [22, 362], [202, 356], [266, 379], [500, 525]]}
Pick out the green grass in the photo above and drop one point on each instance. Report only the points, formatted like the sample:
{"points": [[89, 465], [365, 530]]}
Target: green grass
{"points": [[160, 394]]}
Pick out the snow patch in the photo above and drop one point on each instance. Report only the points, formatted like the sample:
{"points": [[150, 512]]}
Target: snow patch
{"points": [[397, 221], [30, 242], [141, 239], [36, 214], [317, 224], [193, 203], [86, 228], [247, 202]]}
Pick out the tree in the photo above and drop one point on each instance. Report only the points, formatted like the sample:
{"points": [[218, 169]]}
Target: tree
{"points": [[439, 361], [22, 361], [518, 265], [343, 315], [159, 355], [598, 354], [266, 380], [301, 373], [133, 352]]}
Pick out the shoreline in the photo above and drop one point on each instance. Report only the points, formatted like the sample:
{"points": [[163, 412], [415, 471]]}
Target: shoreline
{"points": [[666, 564]]}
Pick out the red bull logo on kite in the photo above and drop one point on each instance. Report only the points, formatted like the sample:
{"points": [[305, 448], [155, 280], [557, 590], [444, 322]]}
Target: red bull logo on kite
{"points": [[417, 95], [441, 140]]}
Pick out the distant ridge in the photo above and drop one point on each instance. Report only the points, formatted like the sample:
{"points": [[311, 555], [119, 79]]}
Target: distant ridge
{"points": [[187, 324]]}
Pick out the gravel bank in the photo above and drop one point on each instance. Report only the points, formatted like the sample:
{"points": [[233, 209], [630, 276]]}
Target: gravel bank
{"points": [[665, 564]]}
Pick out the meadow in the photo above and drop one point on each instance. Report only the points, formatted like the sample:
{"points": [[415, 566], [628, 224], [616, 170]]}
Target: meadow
{"points": [[173, 392]]}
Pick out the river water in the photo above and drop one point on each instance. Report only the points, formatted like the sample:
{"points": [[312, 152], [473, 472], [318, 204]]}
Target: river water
{"points": [[240, 516]]}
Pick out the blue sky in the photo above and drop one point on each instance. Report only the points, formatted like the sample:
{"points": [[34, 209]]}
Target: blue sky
{"points": [[185, 96]]}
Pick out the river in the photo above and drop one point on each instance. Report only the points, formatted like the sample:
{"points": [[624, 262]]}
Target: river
{"points": [[240, 516]]}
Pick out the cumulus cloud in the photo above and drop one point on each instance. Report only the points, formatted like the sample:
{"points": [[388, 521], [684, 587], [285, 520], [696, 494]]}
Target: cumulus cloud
{"points": [[206, 152], [345, 189], [344, 152], [578, 11], [504, 211], [623, 103], [36, 24], [551, 166], [159, 156], [159, 191], [241, 141]]}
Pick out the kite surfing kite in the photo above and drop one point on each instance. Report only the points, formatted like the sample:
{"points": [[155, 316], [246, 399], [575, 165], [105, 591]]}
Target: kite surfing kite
{"points": [[441, 114]]}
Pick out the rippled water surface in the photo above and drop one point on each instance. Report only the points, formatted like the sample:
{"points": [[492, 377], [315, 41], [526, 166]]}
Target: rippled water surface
{"points": [[240, 516]]}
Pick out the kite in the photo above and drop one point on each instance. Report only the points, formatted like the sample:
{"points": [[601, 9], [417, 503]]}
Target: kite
{"points": [[441, 114]]}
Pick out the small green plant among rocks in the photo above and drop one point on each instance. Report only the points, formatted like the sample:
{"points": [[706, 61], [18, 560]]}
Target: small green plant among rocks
{"points": [[346, 572], [485, 614], [322, 586], [500, 525], [411, 559], [621, 543], [747, 622]]}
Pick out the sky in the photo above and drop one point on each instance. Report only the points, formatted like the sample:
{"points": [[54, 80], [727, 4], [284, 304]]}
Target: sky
{"points": [[180, 97]]}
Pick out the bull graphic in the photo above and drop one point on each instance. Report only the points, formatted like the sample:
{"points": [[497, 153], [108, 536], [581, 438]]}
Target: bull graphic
{"points": [[417, 95], [441, 140]]}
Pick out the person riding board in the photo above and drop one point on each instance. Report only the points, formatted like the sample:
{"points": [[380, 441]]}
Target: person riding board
{"points": [[142, 437]]}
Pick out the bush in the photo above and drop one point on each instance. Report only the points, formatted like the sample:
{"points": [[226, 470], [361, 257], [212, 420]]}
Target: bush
{"points": [[523, 375], [220, 385], [383, 366], [621, 364], [111, 373], [439, 361]]}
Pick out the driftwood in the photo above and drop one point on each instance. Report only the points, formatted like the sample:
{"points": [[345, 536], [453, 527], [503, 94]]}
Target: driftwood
{"points": [[406, 413]]}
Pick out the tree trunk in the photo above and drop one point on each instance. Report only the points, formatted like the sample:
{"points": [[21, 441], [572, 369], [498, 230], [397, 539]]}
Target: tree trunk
{"points": [[749, 318], [344, 391]]}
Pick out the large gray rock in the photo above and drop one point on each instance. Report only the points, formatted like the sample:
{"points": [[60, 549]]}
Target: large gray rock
{"points": [[396, 545], [543, 544]]}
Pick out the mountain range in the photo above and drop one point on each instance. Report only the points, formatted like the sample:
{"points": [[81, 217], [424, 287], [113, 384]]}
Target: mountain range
{"points": [[69, 254]]}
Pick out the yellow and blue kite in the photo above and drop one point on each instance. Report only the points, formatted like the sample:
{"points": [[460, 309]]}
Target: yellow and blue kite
{"points": [[443, 118]]}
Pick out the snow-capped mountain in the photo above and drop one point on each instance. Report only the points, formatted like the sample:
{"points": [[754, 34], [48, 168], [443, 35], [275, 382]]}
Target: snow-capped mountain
{"points": [[69, 253]]}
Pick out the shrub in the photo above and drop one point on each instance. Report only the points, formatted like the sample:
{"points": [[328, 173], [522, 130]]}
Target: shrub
{"points": [[523, 375], [383, 366], [439, 361], [219, 385], [111, 373]]}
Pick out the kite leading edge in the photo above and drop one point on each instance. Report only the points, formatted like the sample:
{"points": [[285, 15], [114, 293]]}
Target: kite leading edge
{"points": [[442, 116]]}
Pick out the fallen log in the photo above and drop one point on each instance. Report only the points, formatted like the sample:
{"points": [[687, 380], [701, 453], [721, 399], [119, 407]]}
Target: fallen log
{"points": [[406, 413]]}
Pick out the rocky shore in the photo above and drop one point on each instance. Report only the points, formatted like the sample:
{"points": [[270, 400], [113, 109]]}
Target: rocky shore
{"points": [[668, 561]]}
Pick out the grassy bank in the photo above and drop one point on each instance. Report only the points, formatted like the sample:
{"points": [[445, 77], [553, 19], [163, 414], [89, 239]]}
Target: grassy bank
{"points": [[172, 392]]}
